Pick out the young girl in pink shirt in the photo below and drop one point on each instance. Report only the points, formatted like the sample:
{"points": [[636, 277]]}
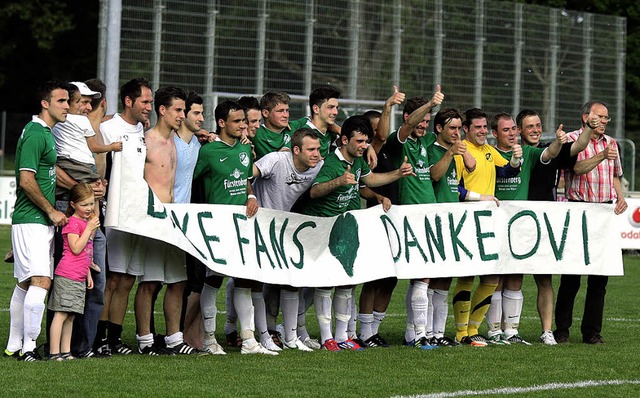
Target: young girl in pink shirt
{"points": [[72, 277]]}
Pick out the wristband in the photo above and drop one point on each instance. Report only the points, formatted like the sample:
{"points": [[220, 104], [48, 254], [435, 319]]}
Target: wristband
{"points": [[251, 197], [473, 196]]}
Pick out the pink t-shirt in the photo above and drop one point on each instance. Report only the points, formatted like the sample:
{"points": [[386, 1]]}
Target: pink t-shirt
{"points": [[71, 266]]}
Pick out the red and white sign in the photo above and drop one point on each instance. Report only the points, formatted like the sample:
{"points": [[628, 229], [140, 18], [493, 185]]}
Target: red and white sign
{"points": [[629, 225]]}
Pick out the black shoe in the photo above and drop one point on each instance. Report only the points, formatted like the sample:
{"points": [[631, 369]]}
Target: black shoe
{"points": [[561, 338], [154, 351], [30, 356], [375, 341], [444, 341], [95, 354], [120, 349], [158, 341], [595, 339], [182, 349], [233, 340]]}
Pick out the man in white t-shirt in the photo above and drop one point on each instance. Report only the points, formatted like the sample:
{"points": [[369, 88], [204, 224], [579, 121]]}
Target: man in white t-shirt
{"points": [[280, 179], [124, 263]]}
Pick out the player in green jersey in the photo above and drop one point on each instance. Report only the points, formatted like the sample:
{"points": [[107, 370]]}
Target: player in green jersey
{"points": [[33, 222], [225, 167], [506, 301], [542, 186], [411, 142], [332, 192], [275, 133]]}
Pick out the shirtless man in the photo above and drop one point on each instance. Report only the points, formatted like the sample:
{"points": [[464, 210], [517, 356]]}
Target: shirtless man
{"points": [[163, 262]]}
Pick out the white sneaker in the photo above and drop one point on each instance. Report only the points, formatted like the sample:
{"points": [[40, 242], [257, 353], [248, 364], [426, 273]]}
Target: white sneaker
{"points": [[297, 344], [547, 338], [251, 346], [270, 345], [213, 349], [314, 344]]}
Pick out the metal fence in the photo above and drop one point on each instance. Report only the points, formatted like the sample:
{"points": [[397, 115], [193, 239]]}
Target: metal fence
{"points": [[500, 56]]}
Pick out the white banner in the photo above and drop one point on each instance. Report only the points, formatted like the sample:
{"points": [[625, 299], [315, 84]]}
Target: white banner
{"points": [[414, 241]]}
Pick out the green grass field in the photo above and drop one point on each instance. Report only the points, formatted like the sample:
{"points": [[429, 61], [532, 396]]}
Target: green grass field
{"points": [[580, 370]]}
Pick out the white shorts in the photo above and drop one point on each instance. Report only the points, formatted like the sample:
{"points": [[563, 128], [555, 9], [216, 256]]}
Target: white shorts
{"points": [[122, 253], [162, 262], [32, 250]]}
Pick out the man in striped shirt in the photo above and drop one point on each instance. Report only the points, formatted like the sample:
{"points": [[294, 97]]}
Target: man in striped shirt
{"points": [[594, 178]]}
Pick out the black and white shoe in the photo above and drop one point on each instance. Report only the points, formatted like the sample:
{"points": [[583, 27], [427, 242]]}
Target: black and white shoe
{"points": [[154, 351], [182, 349], [30, 356]]}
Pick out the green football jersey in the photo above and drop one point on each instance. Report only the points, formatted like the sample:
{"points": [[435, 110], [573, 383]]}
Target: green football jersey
{"points": [[416, 189], [325, 139], [445, 189], [225, 170], [267, 141], [517, 188], [340, 199], [35, 152]]}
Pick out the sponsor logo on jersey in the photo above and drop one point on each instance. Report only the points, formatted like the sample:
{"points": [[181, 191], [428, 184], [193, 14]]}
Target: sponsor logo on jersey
{"points": [[222, 159], [295, 179]]}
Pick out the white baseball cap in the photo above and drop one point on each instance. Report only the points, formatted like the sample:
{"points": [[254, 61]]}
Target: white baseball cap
{"points": [[85, 90]]}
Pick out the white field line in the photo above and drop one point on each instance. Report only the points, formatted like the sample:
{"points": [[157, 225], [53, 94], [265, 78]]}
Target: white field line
{"points": [[524, 390]]}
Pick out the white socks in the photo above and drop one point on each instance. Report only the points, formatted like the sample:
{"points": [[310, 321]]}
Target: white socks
{"points": [[511, 310], [289, 302], [342, 310], [16, 327], [378, 317], [175, 339], [410, 332], [260, 316], [33, 311], [322, 299], [366, 321], [419, 307], [351, 327], [494, 314], [440, 302], [244, 309], [209, 311]]}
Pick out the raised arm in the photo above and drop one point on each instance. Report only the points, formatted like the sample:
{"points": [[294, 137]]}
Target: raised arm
{"points": [[324, 188], [582, 142], [553, 150], [385, 119], [378, 179], [418, 115]]}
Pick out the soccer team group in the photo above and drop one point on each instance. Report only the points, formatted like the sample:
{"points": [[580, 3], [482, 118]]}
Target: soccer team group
{"points": [[259, 157]]}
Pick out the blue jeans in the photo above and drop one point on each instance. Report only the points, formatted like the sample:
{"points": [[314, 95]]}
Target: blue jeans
{"points": [[85, 326]]}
